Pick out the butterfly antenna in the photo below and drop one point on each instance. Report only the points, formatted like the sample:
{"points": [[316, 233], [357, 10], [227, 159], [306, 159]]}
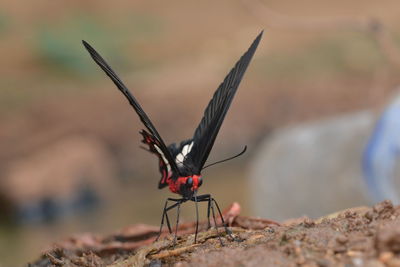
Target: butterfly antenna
{"points": [[220, 161]]}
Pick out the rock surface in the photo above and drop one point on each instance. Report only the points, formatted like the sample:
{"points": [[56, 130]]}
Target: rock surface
{"points": [[355, 237]]}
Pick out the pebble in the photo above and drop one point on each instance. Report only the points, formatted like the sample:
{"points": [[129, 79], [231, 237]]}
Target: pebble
{"points": [[385, 256], [342, 239], [340, 249], [155, 263], [253, 239], [369, 215], [358, 262]]}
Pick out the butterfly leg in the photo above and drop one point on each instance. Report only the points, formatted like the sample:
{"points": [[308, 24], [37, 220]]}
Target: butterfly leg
{"points": [[177, 218], [197, 217], [228, 232], [202, 198], [165, 215], [197, 199], [162, 221], [215, 222], [210, 207], [208, 213], [168, 223]]}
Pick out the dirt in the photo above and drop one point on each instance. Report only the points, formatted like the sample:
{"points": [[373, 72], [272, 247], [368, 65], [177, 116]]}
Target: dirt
{"points": [[362, 236]]}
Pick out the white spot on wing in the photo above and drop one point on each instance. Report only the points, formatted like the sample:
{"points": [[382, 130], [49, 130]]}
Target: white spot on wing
{"points": [[163, 158], [179, 158], [190, 147], [185, 150]]}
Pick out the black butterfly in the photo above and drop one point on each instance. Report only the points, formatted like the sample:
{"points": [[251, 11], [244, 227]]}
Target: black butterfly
{"points": [[181, 165]]}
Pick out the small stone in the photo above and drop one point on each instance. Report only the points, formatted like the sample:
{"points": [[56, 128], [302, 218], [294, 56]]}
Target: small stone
{"points": [[358, 261], [329, 252], [340, 249], [308, 223], [155, 263], [342, 239], [253, 239], [244, 235], [269, 230], [386, 256], [370, 232], [369, 215]]}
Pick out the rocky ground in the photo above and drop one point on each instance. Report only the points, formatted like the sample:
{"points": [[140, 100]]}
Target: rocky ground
{"points": [[362, 236]]}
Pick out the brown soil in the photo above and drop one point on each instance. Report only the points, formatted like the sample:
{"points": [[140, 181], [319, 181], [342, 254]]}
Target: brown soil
{"points": [[360, 236]]}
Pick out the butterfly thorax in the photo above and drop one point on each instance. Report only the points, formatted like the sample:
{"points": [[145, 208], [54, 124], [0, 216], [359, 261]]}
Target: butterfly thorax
{"points": [[185, 186]]}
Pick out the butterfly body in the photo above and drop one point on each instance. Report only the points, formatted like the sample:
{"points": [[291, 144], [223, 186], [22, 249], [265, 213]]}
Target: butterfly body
{"points": [[180, 184], [181, 165], [185, 186]]}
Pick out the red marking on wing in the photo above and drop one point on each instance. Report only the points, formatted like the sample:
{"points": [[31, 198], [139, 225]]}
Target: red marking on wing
{"points": [[164, 166]]}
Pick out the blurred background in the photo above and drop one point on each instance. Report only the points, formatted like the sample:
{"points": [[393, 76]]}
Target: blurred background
{"points": [[317, 109]]}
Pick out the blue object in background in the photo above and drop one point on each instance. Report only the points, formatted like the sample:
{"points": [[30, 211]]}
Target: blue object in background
{"points": [[382, 155]]}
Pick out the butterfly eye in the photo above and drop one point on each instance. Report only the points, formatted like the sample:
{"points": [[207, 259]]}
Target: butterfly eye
{"points": [[189, 182], [200, 181]]}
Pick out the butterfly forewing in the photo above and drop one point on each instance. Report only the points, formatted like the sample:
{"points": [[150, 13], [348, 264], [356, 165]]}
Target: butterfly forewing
{"points": [[154, 140], [214, 114]]}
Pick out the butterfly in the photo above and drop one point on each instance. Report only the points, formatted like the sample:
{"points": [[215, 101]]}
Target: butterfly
{"points": [[181, 165]]}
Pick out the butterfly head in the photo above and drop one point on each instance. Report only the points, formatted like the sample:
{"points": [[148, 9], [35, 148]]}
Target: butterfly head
{"points": [[189, 185]]}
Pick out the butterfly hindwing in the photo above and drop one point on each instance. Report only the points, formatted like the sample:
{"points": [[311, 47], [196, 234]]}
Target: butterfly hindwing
{"points": [[164, 165], [214, 114], [152, 138]]}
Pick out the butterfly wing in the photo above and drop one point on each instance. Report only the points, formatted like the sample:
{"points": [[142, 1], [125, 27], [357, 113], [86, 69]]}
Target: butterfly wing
{"points": [[214, 114], [152, 138], [164, 165]]}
